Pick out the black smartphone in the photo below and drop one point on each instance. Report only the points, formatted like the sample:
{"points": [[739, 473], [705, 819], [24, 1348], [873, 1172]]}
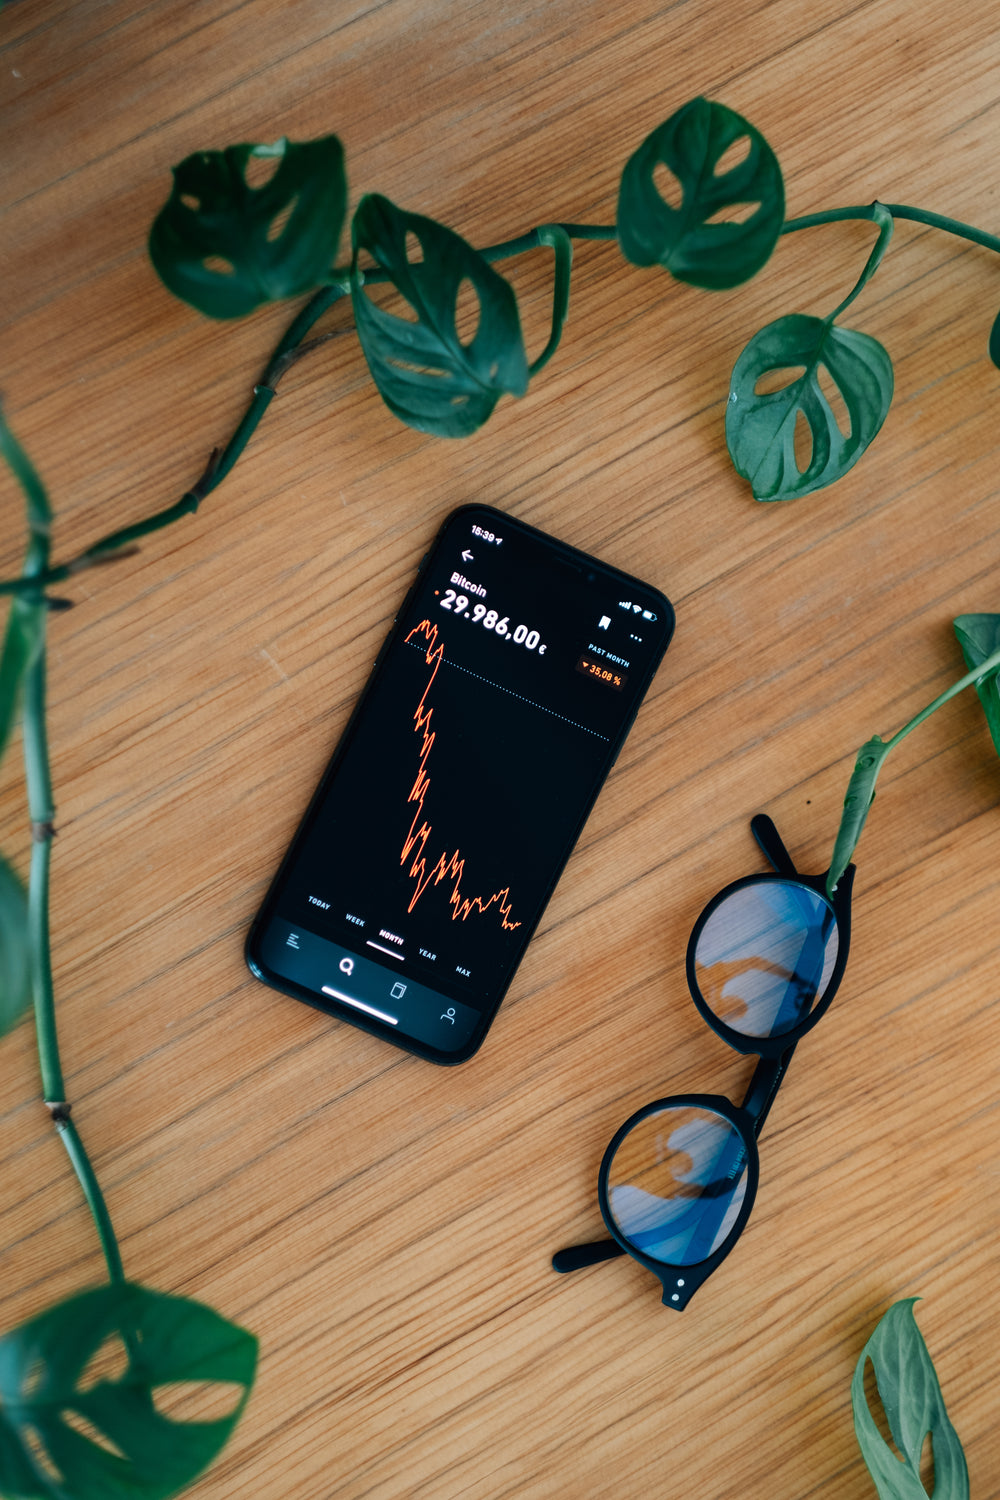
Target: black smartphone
{"points": [[495, 710]]}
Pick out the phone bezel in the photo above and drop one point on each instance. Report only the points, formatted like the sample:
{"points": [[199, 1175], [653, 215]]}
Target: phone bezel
{"points": [[588, 565]]}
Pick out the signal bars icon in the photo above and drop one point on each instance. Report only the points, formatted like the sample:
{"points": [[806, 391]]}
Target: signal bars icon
{"points": [[647, 614]]}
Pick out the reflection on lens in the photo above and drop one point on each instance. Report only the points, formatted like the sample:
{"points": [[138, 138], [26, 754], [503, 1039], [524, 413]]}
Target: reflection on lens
{"points": [[764, 955], [676, 1183]]}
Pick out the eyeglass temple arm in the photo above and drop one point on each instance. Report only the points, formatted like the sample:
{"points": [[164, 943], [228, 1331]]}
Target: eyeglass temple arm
{"points": [[772, 848], [579, 1256]]}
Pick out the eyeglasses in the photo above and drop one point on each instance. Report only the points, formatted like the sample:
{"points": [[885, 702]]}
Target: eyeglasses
{"points": [[678, 1180]]}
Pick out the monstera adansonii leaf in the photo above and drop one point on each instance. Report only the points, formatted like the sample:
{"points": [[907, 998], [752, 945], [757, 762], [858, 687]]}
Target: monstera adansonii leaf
{"points": [[425, 373], [732, 198], [227, 246], [761, 423], [82, 1387]]}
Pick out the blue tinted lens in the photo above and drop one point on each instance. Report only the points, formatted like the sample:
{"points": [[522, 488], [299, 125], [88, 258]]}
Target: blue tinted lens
{"points": [[764, 956], [676, 1183]]}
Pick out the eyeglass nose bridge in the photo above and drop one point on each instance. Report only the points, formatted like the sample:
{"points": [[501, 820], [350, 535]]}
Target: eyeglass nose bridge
{"points": [[680, 1280]]}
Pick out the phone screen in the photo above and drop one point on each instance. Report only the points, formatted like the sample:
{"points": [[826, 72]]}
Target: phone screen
{"points": [[496, 708]]}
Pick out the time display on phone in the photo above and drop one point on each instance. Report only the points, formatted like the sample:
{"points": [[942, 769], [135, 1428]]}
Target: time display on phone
{"points": [[461, 784]]}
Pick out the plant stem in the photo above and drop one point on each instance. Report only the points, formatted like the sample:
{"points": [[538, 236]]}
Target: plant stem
{"points": [[95, 1198], [42, 812], [41, 808], [880, 215], [218, 468], [983, 670], [338, 287], [898, 211], [869, 762]]}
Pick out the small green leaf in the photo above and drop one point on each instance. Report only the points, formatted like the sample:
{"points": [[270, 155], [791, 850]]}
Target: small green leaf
{"points": [[860, 796], [979, 638], [23, 639], [38, 508], [727, 222], [424, 372], [914, 1407], [760, 426], [69, 1427], [15, 970], [227, 247], [24, 634]]}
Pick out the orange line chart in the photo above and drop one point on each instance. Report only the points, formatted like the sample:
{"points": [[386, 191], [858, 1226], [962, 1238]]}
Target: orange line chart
{"points": [[423, 869]]}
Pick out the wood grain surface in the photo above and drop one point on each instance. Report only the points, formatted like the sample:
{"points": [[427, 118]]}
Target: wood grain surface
{"points": [[383, 1225]]}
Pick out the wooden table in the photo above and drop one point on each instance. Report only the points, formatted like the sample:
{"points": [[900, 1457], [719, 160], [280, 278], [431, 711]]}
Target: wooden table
{"points": [[385, 1226]]}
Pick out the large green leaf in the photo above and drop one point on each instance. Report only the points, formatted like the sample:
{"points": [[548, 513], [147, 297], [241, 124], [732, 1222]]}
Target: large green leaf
{"points": [[67, 1429], [913, 1404], [760, 425], [424, 372], [226, 246], [15, 970], [979, 638], [727, 222]]}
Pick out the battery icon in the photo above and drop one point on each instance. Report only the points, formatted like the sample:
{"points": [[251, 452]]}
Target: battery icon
{"points": [[647, 614]]}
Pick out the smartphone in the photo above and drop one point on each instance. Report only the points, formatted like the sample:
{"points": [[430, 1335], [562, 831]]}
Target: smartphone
{"points": [[494, 712]]}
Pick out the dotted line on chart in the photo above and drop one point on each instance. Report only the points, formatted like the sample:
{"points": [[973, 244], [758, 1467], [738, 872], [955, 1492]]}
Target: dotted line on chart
{"points": [[500, 688]]}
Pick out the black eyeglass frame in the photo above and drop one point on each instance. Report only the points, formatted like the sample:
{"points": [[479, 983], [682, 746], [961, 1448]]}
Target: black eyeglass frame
{"points": [[680, 1282], [774, 851]]}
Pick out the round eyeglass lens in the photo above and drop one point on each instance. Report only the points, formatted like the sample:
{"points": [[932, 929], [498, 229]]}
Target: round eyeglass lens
{"points": [[764, 955], [676, 1183]]}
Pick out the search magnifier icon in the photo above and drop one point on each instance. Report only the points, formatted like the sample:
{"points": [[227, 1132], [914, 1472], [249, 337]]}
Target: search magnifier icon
{"points": [[347, 966]]}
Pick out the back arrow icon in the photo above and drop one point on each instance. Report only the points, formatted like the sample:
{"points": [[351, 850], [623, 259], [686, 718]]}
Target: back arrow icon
{"points": [[467, 555]]}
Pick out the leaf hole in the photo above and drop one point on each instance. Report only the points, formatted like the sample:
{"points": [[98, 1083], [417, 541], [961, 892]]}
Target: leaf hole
{"points": [[414, 249], [86, 1429], [734, 156], [109, 1362], [259, 170], [197, 1400], [279, 223], [412, 368], [467, 312], [803, 442], [770, 382], [41, 1455], [877, 1410], [33, 1377], [835, 400], [219, 265], [190, 201], [734, 213], [668, 186]]}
